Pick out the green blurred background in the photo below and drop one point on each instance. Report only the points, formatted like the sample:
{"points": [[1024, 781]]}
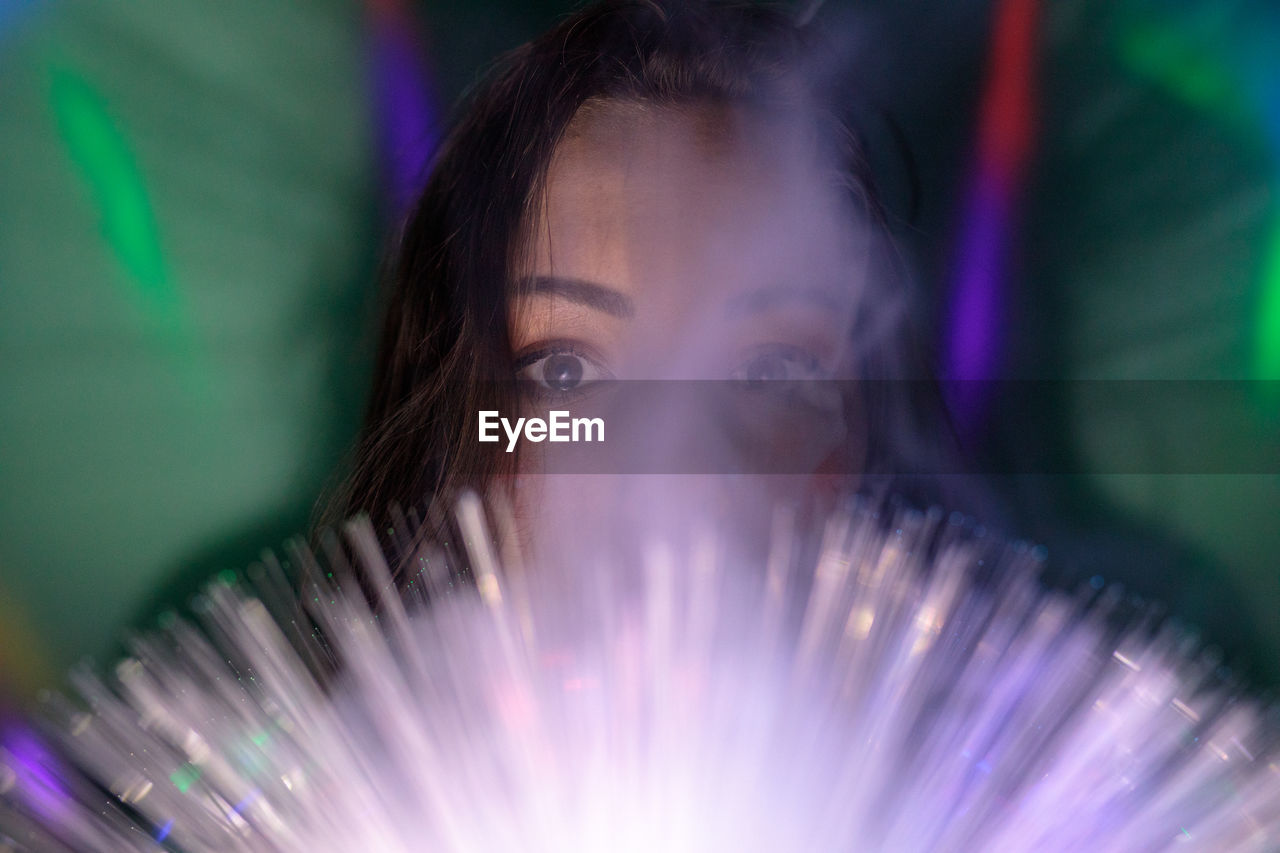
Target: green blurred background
{"points": [[193, 198]]}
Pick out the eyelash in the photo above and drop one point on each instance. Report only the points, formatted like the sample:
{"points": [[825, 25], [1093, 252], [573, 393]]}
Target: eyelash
{"points": [[546, 349]]}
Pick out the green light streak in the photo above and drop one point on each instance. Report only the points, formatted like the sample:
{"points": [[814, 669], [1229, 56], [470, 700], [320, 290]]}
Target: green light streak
{"points": [[107, 165], [1201, 75], [1267, 346], [184, 777], [1188, 73]]}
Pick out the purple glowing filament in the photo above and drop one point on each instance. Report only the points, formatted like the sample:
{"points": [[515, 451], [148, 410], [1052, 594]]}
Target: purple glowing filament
{"points": [[37, 773]]}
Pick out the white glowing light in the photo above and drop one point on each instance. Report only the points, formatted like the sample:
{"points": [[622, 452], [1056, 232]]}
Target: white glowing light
{"points": [[874, 701]]}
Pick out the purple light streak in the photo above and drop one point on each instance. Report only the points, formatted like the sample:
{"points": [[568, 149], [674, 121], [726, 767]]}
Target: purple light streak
{"points": [[406, 113]]}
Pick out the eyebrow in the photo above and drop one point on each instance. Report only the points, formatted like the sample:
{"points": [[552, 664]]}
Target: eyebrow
{"points": [[756, 301], [588, 293]]}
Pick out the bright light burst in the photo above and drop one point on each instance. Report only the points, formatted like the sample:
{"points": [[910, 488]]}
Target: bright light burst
{"points": [[895, 683]]}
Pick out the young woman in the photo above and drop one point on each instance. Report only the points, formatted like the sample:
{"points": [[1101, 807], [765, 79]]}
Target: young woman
{"points": [[653, 190]]}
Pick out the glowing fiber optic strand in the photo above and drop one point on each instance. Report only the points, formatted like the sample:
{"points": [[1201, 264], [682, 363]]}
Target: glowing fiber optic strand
{"points": [[1225, 60], [910, 687], [974, 328], [30, 762], [406, 113]]}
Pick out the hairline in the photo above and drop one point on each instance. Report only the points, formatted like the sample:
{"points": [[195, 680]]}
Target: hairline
{"points": [[748, 112]]}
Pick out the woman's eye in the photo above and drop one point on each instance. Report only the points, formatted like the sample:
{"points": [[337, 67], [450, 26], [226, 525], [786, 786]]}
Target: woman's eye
{"points": [[558, 371], [781, 363]]}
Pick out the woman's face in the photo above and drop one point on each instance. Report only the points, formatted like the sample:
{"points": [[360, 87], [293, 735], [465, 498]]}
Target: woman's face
{"points": [[697, 247]]}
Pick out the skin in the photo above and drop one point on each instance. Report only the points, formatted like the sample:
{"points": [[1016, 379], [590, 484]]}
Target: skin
{"points": [[693, 243]]}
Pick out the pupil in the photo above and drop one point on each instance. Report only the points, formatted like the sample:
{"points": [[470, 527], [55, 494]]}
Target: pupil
{"points": [[562, 372], [766, 368]]}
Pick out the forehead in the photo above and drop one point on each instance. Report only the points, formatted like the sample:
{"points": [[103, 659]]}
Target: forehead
{"points": [[706, 199]]}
